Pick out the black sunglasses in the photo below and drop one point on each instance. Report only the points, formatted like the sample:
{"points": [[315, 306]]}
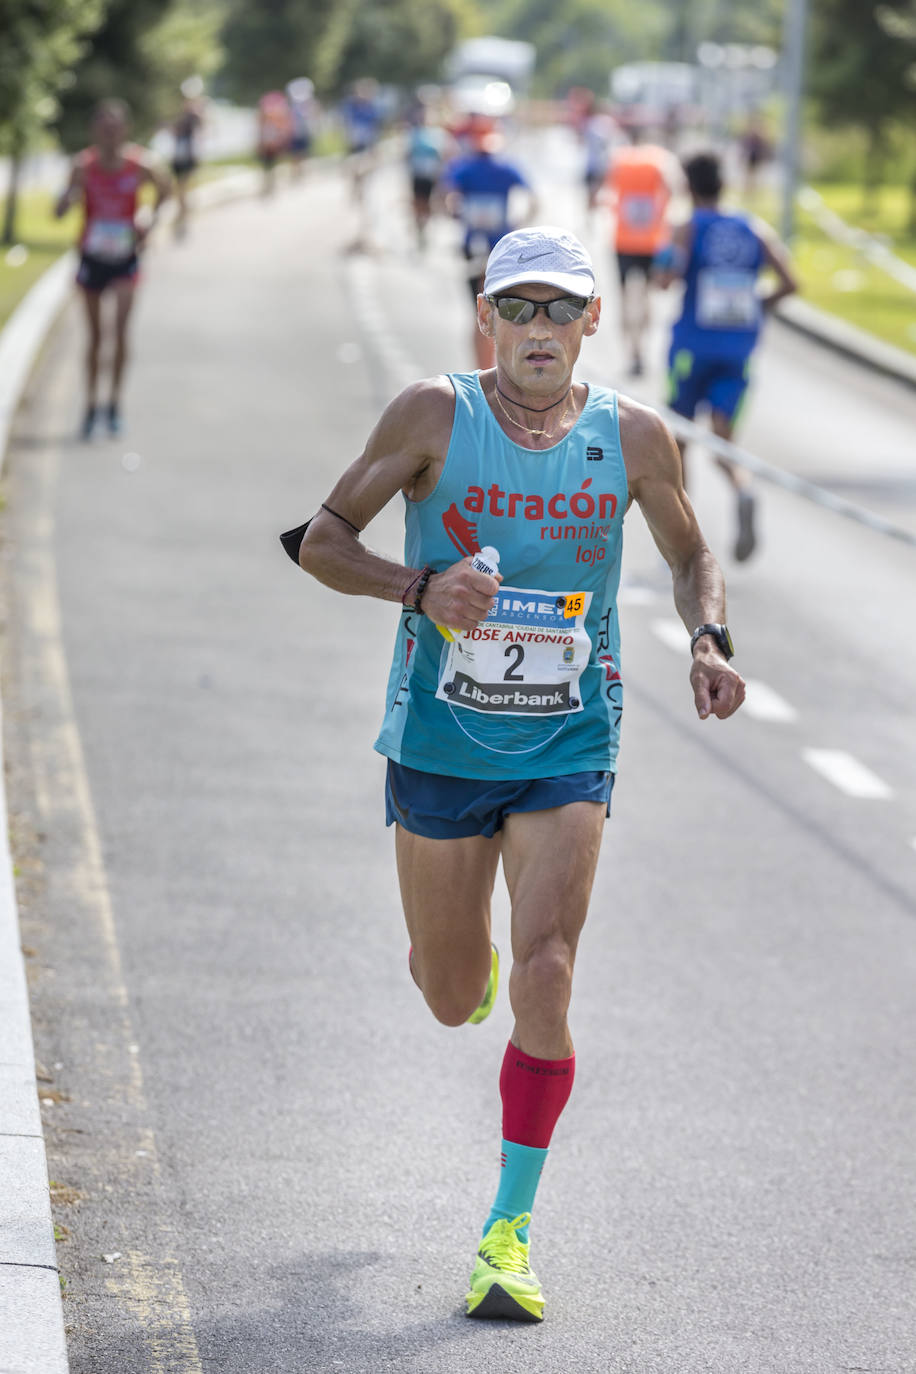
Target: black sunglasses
{"points": [[563, 310]]}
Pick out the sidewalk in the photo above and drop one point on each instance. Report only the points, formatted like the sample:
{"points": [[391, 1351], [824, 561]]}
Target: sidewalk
{"points": [[32, 1337]]}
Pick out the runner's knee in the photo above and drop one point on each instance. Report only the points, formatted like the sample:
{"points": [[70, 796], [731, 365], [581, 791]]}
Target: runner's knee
{"points": [[452, 991], [542, 977]]}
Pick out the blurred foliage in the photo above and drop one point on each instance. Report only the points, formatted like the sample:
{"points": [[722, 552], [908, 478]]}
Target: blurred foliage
{"points": [[714, 21], [269, 42], [401, 42], [141, 54], [579, 43], [861, 68], [862, 75], [41, 42]]}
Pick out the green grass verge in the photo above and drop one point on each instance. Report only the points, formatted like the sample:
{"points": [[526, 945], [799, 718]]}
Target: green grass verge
{"points": [[836, 279], [40, 239]]}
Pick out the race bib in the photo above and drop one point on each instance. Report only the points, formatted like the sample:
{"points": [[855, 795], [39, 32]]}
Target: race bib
{"points": [[484, 212], [112, 240], [426, 165], [525, 659], [638, 211], [726, 299]]}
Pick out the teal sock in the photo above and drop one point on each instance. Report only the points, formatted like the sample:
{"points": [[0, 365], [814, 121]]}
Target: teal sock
{"points": [[518, 1183]]}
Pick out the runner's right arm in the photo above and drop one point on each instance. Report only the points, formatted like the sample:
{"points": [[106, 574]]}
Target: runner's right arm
{"points": [[408, 445]]}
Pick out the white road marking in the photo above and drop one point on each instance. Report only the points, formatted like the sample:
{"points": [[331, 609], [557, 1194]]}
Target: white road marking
{"points": [[847, 773], [763, 703], [673, 634]]}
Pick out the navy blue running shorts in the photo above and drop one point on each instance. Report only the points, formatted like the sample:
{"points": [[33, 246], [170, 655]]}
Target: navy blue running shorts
{"points": [[444, 808]]}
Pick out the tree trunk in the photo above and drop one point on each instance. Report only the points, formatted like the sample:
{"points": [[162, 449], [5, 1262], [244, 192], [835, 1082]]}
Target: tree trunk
{"points": [[17, 151], [874, 168]]}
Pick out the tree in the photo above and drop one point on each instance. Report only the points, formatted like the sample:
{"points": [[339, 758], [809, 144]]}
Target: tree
{"points": [[861, 71], [141, 54], [42, 39], [399, 42], [269, 42]]}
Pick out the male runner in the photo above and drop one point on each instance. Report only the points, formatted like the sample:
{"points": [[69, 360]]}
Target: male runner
{"points": [[719, 255], [107, 178], [427, 147], [185, 130], [478, 187], [502, 741], [639, 183]]}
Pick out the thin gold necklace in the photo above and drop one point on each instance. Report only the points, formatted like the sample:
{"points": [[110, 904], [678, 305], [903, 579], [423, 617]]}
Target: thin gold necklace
{"points": [[545, 433]]}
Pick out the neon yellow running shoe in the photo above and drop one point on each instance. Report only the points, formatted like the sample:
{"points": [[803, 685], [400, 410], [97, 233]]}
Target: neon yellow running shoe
{"points": [[503, 1283], [489, 997]]}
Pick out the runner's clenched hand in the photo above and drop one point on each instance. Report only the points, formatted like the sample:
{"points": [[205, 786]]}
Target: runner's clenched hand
{"points": [[460, 597]]}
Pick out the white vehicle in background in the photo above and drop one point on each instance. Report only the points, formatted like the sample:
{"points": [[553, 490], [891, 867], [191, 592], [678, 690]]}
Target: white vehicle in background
{"points": [[486, 74]]}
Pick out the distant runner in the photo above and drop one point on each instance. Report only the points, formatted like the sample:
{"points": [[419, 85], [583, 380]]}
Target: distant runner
{"points": [[427, 150], [478, 187], [719, 254], [107, 178], [639, 183], [185, 131]]}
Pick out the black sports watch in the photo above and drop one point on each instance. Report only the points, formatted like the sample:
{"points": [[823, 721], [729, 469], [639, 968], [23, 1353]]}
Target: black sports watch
{"points": [[720, 635]]}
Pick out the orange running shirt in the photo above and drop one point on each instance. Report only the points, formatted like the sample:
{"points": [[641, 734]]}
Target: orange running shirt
{"points": [[641, 195]]}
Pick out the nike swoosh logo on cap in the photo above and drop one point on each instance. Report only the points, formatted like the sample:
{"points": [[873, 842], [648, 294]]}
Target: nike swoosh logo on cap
{"points": [[528, 257]]}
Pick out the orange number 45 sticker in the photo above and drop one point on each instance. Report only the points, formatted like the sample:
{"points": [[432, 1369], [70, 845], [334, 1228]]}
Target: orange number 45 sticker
{"points": [[575, 605]]}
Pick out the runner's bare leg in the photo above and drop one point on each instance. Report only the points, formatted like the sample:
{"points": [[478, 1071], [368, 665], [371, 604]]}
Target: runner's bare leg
{"points": [[124, 299], [446, 886], [549, 859]]}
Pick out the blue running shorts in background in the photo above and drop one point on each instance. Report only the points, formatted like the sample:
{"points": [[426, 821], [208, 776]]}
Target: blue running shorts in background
{"points": [[719, 382]]}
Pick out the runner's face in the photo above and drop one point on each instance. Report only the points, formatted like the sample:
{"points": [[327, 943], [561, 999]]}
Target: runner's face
{"points": [[537, 357], [109, 130]]}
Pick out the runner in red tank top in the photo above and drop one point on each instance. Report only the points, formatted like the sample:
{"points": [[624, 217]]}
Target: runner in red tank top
{"points": [[107, 179]]}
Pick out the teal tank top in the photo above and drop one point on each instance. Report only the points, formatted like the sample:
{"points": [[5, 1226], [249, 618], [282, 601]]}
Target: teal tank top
{"points": [[534, 690]]}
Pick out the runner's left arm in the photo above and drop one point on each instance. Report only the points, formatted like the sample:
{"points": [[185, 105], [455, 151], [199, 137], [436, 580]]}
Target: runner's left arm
{"points": [[157, 177], [655, 477], [776, 257]]}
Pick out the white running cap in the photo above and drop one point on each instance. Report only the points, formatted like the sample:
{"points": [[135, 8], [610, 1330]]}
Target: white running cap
{"points": [[544, 254]]}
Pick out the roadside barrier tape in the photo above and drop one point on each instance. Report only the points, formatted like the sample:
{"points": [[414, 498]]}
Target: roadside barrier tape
{"points": [[788, 481]]}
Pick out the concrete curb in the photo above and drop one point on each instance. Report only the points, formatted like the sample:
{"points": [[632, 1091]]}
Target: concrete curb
{"points": [[32, 1339], [846, 339]]}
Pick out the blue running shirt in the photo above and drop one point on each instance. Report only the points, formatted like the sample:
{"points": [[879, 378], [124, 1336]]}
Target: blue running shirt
{"points": [[720, 313], [534, 691], [485, 184]]}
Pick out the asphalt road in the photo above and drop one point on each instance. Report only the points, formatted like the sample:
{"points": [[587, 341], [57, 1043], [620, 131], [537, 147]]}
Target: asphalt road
{"points": [[267, 1156]]}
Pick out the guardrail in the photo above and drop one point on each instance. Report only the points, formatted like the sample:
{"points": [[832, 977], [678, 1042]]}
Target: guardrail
{"points": [[787, 481]]}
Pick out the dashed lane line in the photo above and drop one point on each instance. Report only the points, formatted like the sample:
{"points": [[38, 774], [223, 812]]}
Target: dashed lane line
{"points": [[761, 702], [847, 773]]}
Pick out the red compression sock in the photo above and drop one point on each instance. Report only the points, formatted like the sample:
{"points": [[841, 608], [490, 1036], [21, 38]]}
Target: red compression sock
{"points": [[534, 1093]]}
